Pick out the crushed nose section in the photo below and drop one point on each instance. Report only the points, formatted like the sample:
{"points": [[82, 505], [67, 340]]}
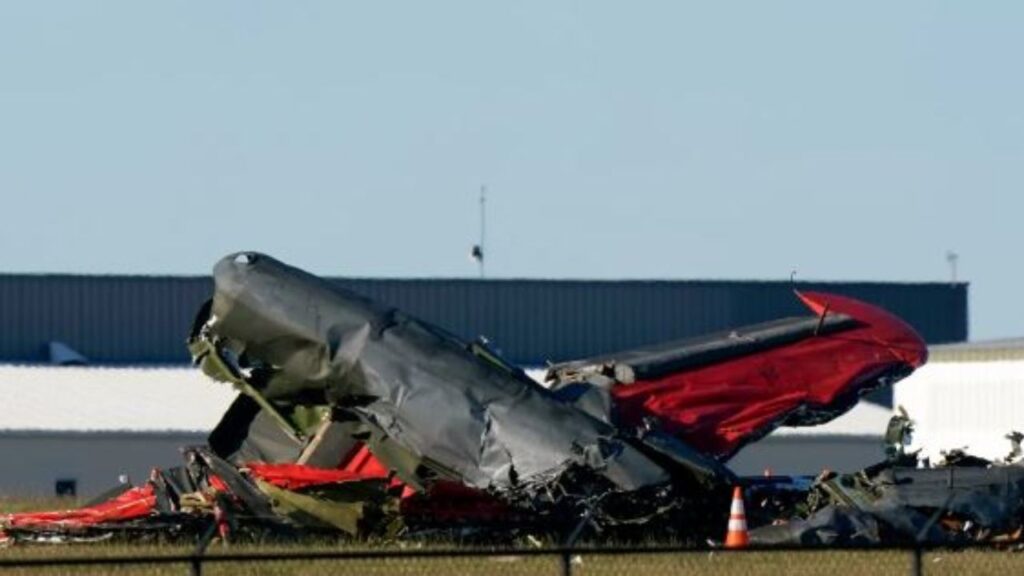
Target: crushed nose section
{"points": [[296, 345]]}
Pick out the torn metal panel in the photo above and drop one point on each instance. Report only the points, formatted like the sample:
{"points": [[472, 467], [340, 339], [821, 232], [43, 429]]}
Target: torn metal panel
{"points": [[723, 391], [332, 441], [829, 526], [256, 503], [354, 504], [295, 338], [311, 511], [991, 498], [889, 503], [247, 433], [707, 471], [670, 357]]}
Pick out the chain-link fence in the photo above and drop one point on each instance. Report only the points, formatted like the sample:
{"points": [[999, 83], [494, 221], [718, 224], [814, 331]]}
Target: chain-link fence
{"points": [[648, 561]]}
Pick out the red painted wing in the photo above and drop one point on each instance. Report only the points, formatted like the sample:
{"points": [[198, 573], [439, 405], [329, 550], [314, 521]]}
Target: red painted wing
{"points": [[718, 407]]}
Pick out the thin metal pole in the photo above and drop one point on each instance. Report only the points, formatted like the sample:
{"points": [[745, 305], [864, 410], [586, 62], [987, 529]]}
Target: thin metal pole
{"points": [[200, 550], [483, 227], [915, 562], [566, 563]]}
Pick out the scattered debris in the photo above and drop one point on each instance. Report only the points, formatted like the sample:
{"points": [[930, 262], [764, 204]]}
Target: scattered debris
{"points": [[1015, 450], [902, 500], [358, 419], [898, 435]]}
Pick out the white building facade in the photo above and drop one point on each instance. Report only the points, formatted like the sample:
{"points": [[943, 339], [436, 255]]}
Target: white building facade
{"points": [[968, 396], [77, 430]]}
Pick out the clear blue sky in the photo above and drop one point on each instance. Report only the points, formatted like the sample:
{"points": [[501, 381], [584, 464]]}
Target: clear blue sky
{"points": [[618, 140]]}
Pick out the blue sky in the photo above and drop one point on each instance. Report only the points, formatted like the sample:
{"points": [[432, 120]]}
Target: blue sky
{"points": [[617, 140]]}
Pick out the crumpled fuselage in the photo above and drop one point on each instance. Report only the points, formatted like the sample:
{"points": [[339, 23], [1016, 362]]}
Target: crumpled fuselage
{"points": [[322, 362]]}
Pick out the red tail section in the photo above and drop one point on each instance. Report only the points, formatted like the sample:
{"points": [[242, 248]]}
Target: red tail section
{"points": [[719, 407]]}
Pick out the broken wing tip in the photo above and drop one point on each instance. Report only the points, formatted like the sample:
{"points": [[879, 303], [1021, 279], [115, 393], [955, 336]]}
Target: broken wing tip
{"points": [[813, 300]]}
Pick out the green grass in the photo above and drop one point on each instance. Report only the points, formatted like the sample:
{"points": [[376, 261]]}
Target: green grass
{"points": [[10, 505], [800, 563], [797, 563]]}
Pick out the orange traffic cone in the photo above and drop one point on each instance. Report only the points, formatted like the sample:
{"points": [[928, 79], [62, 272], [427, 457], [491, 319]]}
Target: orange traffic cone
{"points": [[736, 536]]}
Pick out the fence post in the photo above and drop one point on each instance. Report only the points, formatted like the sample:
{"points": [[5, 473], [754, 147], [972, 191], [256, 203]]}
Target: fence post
{"points": [[200, 549], [915, 561], [566, 563]]}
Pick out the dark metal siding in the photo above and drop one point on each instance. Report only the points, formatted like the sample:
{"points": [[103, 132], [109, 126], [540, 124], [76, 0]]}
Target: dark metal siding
{"points": [[531, 321], [109, 319], [125, 319]]}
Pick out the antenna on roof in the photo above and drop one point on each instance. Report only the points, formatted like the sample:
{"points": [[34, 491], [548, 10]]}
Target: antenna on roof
{"points": [[951, 258], [477, 252]]}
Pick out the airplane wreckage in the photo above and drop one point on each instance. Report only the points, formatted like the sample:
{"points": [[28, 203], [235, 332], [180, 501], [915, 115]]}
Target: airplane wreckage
{"points": [[355, 418]]}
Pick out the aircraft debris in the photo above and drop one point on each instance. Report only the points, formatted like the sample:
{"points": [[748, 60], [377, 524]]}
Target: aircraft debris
{"points": [[357, 418], [964, 498]]}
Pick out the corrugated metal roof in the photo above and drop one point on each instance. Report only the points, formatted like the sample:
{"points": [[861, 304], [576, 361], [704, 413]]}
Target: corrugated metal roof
{"points": [[983, 351], [109, 319], [137, 319], [964, 404]]}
